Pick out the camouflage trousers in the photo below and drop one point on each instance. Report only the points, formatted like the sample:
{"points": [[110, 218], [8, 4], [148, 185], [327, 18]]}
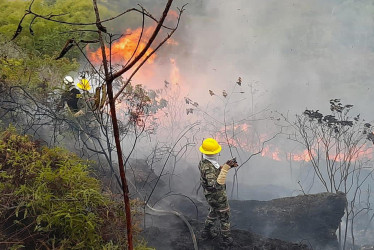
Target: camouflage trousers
{"points": [[219, 210]]}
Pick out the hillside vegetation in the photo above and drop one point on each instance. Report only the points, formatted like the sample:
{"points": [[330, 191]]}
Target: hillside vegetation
{"points": [[50, 200]]}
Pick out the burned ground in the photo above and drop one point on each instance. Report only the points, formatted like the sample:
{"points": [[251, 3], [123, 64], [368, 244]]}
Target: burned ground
{"points": [[301, 222], [176, 236]]}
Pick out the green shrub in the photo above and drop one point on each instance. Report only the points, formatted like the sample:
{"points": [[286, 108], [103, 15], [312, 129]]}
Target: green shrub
{"points": [[49, 200]]}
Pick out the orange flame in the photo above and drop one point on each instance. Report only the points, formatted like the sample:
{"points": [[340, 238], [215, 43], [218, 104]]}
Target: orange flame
{"points": [[304, 156], [128, 47], [173, 14], [123, 49], [171, 41], [271, 153], [243, 142]]}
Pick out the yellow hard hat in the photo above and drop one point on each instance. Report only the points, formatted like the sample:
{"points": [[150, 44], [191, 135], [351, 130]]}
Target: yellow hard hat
{"points": [[210, 147], [84, 84]]}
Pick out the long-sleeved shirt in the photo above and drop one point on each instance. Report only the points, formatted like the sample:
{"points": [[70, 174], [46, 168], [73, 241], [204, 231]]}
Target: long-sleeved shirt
{"points": [[209, 175]]}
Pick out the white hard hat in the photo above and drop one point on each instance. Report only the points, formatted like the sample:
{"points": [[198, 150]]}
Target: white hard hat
{"points": [[68, 80]]}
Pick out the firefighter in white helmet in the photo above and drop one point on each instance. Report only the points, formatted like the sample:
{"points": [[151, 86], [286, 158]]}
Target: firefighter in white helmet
{"points": [[70, 97]]}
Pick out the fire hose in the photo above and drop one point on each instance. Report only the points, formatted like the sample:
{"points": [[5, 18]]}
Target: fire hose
{"points": [[181, 216], [158, 211]]}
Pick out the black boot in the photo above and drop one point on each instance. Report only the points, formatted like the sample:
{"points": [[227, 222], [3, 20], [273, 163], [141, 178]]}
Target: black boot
{"points": [[208, 233], [227, 241]]}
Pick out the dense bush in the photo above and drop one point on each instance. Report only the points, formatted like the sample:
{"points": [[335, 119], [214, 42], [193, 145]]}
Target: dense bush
{"points": [[29, 60], [41, 73], [46, 38], [49, 200]]}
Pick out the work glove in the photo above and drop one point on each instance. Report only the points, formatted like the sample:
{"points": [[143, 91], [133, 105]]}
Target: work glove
{"points": [[225, 169], [79, 113], [232, 163]]}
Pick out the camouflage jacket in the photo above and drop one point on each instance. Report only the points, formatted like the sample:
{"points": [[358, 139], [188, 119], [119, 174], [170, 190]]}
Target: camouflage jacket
{"points": [[208, 176], [214, 192]]}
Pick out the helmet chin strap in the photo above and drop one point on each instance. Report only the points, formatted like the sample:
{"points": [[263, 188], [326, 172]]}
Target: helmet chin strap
{"points": [[70, 87]]}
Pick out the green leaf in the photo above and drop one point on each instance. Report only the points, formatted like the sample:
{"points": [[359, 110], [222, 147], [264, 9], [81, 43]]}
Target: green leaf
{"points": [[18, 208]]}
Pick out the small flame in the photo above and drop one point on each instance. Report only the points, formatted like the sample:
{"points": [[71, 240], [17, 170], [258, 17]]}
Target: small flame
{"points": [[271, 153], [243, 141], [245, 127], [304, 156], [265, 151], [174, 74], [173, 14], [275, 156], [171, 41]]}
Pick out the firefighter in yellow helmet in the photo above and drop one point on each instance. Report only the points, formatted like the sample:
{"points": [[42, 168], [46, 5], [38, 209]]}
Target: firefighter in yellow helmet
{"points": [[84, 84], [86, 97], [77, 101], [213, 181]]}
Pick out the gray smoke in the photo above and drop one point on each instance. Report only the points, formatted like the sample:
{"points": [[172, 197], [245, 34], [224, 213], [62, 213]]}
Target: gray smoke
{"points": [[290, 55], [300, 53]]}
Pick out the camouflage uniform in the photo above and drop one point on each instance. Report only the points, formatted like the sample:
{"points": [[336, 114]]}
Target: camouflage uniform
{"points": [[216, 197]]}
